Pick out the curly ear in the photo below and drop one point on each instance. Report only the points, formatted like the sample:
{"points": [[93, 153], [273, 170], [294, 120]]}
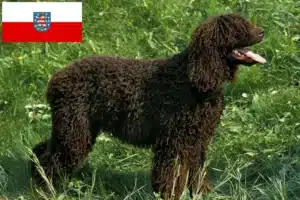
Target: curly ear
{"points": [[205, 66], [206, 73]]}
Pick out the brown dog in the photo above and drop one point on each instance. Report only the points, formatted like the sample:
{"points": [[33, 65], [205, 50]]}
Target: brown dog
{"points": [[173, 104]]}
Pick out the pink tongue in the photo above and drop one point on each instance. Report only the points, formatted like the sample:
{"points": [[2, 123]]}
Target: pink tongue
{"points": [[254, 56]]}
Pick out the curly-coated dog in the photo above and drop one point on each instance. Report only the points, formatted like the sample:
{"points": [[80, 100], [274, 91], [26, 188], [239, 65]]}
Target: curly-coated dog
{"points": [[171, 104]]}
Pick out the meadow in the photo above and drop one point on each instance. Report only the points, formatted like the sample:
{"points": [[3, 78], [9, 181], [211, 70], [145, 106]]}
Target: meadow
{"points": [[256, 151]]}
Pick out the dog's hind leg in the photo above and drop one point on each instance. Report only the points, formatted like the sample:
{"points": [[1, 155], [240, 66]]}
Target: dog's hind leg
{"points": [[71, 140], [42, 152]]}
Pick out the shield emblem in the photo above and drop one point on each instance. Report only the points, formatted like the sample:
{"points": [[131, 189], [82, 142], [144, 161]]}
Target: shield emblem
{"points": [[41, 21]]}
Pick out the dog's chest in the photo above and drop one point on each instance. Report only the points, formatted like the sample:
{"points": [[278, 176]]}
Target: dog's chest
{"points": [[209, 107]]}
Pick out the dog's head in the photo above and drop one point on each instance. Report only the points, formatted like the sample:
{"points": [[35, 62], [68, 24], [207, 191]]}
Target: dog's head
{"points": [[240, 34], [230, 35], [222, 43]]}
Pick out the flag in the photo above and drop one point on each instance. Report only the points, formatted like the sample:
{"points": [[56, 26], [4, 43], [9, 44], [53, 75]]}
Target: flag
{"points": [[41, 21]]}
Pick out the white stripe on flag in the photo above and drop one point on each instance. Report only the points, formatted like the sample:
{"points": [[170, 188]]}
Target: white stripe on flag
{"points": [[60, 11]]}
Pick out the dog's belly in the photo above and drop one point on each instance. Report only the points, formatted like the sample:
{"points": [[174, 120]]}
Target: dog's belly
{"points": [[144, 123], [130, 127]]}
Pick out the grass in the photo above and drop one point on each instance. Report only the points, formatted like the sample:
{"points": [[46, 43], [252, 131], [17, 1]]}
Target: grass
{"points": [[256, 152]]}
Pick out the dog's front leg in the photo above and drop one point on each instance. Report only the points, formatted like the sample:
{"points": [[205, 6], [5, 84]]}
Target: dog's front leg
{"points": [[169, 172], [198, 179]]}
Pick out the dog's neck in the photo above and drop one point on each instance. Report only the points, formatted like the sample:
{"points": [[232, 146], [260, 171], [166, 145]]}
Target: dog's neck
{"points": [[206, 69]]}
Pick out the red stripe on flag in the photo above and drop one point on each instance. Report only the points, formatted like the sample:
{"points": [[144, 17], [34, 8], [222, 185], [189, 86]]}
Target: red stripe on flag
{"points": [[25, 32]]}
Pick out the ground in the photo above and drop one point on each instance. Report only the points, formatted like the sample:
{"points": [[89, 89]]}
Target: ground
{"points": [[255, 154]]}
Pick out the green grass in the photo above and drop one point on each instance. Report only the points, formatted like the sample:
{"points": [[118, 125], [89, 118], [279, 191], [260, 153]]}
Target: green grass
{"points": [[256, 152]]}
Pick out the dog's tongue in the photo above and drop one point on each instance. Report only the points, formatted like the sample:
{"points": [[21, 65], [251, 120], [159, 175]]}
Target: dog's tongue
{"points": [[252, 55]]}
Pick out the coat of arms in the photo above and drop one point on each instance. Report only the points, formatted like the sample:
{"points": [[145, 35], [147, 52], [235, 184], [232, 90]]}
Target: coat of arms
{"points": [[42, 21]]}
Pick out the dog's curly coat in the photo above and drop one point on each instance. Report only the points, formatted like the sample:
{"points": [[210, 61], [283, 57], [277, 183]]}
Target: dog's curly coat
{"points": [[171, 104]]}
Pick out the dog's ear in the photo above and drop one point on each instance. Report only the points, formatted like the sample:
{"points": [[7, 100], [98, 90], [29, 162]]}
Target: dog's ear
{"points": [[205, 66], [206, 73]]}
